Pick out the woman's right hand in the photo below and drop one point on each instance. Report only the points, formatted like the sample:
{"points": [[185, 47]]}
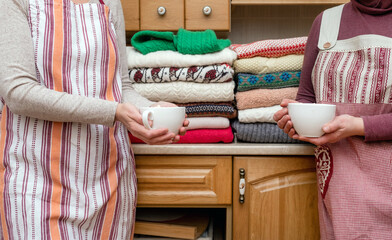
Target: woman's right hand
{"points": [[130, 116], [282, 118]]}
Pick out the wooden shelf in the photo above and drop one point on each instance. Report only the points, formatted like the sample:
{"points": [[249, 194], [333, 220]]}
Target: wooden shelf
{"points": [[287, 2]]}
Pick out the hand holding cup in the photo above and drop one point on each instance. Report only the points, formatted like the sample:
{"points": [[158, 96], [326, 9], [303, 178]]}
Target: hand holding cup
{"points": [[309, 118]]}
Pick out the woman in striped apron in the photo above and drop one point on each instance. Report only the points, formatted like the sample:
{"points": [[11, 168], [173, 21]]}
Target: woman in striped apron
{"points": [[66, 167], [348, 62]]}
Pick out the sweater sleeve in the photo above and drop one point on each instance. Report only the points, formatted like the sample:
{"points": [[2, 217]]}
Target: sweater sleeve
{"points": [[378, 127], [19, 87], [129, 94]]}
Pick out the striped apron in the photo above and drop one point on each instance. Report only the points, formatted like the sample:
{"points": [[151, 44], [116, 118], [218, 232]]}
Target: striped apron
{"points": [[354, 177], [68, 180]]}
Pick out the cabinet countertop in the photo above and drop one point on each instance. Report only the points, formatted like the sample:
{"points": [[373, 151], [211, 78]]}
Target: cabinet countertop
{"points": [[224, 149]]}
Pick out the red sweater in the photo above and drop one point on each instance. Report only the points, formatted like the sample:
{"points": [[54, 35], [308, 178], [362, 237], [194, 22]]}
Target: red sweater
{"points": [[370, 17]]}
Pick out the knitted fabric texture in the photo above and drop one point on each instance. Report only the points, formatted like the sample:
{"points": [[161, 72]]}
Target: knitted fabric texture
{"points": [[152, 41], [259, 65], [268, 80], [271, 48], [176, 59], [207, 122], [184, 92], [261, 133], [185, 42], [264, 97], [196, 42], [224, 135], [210, 109], [199, 74], [263, 114]]}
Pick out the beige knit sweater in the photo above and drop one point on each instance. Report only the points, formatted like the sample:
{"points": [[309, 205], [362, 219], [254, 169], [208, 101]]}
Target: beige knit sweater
{"points": [[18, 83]]}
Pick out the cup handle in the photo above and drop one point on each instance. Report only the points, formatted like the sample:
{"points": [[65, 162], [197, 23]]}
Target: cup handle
{"points": [[146, 116]]}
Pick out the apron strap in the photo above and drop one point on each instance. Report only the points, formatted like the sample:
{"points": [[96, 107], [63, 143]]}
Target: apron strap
{"points": [[101, 1], [329, 28]]}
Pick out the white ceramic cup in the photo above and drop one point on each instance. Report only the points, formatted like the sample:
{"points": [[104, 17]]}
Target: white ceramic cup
{"points": [[308, 118], [171, 118]]}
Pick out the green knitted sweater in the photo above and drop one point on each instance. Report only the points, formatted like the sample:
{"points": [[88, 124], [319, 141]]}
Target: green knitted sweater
{"points": [[185, 42]]}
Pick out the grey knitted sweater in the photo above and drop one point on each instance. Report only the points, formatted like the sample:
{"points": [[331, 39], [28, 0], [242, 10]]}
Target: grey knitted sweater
{"points": [[261, 133]]}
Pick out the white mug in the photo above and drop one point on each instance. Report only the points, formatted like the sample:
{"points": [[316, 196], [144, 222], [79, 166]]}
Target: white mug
{"points": [[308, 118], [171, 118]]}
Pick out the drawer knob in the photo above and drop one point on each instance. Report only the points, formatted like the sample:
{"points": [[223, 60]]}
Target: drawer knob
{"points": [[161, 11], [207, 10]]}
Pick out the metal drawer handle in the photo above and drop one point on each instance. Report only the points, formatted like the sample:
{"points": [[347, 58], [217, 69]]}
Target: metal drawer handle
{"points": [[161, 10], [207, 10], [242, 185]]}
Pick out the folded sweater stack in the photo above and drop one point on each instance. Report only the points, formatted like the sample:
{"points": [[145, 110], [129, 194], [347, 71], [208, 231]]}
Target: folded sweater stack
{"points": [[190, 69], [267, 72]]}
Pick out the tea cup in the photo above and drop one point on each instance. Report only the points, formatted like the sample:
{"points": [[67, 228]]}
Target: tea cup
{"points": [[171, 118], [308, 118]]}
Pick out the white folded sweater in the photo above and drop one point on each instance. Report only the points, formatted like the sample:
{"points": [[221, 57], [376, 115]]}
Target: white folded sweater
{"points": [[208, 122], [186, 92], [262, 114], [176, 59]]}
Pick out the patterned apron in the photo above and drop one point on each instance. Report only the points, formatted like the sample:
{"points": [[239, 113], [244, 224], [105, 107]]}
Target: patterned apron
{"points": [[355, 178], [68, 180]]}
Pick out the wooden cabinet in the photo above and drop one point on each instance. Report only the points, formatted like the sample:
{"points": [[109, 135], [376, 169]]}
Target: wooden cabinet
{"points": [[170, 15], [162, 15], [280, 199], [184, 180], [207, 14], [131, 14]]}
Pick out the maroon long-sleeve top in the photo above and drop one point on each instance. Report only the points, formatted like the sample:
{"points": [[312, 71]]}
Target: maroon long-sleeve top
{"points": [[359, 17]]}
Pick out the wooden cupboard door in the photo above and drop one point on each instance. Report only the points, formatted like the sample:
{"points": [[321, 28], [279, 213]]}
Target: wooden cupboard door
{"points": [[280, 198], [172, 17], [131, 14], [207, 14], [184, 180]]}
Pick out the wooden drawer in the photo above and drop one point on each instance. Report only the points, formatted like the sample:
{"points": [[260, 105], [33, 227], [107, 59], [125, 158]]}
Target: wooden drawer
{"points": [[131, 14], [218, 19], [172, 20], [184, 180]]}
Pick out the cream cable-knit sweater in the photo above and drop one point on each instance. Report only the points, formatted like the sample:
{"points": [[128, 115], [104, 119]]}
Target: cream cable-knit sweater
{"points": [[176, 59], [262, 114], [187, 92], [25, 96], [259, 65]]}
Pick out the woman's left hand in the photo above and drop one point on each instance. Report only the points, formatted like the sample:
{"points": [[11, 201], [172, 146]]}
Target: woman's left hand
{"points": [[182, 130], [340, 127]]}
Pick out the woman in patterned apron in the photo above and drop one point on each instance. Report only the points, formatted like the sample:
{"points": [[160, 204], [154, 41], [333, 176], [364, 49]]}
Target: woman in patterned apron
{"points": [[348, 62], [66, 166]]}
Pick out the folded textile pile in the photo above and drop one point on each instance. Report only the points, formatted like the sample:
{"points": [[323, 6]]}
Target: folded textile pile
{"points": [[185, 42], [266, 72], [191, 69], [261, 133], [221, 135], [271, 48]]}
